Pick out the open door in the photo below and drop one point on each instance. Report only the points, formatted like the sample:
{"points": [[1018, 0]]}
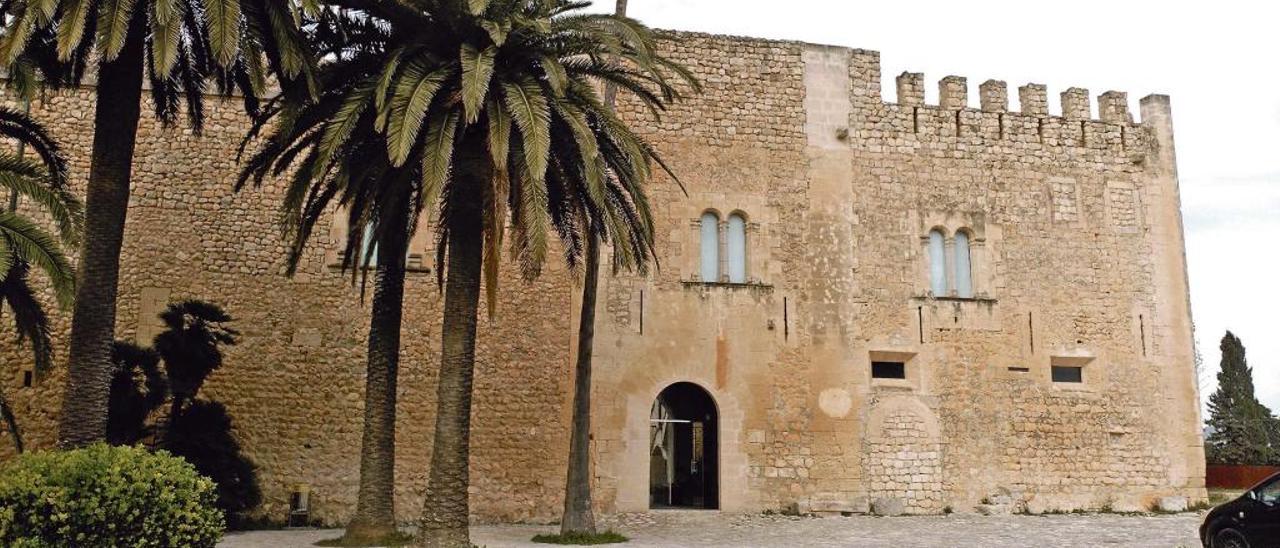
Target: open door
{"points": [[684, 467]]}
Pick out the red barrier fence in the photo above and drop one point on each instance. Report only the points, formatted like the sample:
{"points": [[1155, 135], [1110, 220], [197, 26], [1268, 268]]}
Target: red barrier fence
{"points": [[1233, 476]]}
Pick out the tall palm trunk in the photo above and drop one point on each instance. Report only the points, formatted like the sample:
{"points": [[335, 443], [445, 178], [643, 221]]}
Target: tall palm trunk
{"points": [[93, 320], [375, 516], [578, 516], [445, 512]]}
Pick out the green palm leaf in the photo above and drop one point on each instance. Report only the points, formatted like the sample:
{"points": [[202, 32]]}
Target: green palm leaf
{"points": [[413, 94], [477, 69], [529, 110], [339, 128], [165, 36], [113, 26], [61, 205], [30, 243], [71, 28], [437, 155], [223, 18]]}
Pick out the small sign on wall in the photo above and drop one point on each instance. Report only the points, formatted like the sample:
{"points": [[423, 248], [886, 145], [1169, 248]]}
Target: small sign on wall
{"points": [[151, 302]]}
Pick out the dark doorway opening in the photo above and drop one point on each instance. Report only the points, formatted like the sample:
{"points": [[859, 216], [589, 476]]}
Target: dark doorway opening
{"points": [[684, 449]]}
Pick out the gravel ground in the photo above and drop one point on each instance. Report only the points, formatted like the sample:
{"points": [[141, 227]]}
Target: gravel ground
{"points": [[706, 528]]}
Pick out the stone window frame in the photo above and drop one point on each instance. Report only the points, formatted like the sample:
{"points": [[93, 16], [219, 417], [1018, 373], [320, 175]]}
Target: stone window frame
{"points": [[981, 278], [1086, 363], [754, 262], [1109, 206], [421, 246], [25, 377], [1076, 196], [910, 362]]}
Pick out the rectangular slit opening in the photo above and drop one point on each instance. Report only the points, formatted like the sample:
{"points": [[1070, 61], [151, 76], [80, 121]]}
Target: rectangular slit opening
{"points": [[888, 370], [1067, 373]]}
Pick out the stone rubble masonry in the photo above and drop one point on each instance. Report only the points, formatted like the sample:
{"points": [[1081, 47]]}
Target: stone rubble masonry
{"points": [[1077, 257]]}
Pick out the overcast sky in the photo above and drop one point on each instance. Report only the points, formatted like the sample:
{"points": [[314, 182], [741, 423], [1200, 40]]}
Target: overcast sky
{"points": [[1215, 59]]}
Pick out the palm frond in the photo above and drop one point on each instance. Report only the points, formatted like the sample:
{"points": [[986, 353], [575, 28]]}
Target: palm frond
{"points": [[413, 94], [477, 69], [31, 244]]}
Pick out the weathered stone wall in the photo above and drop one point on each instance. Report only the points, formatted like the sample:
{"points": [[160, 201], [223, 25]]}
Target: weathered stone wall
{"points": [[1077, 259], [294, 386]]}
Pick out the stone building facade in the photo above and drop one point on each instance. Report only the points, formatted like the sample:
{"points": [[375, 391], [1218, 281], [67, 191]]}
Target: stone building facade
{"points": [[876, 297]]}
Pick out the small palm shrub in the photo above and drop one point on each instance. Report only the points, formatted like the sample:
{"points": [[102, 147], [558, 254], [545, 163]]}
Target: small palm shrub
{"points": [[106, 496]]}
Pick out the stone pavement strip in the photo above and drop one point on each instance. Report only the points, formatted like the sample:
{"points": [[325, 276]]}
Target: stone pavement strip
{"points": [[708, 528]]}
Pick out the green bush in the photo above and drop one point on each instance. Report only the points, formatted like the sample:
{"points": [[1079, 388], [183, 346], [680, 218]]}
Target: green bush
{"points": [[106, 496]]}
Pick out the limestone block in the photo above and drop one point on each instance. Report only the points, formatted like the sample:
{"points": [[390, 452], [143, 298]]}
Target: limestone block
{"points": [[1127, 506], [888, 506], [993, 96], [1172, 504]]}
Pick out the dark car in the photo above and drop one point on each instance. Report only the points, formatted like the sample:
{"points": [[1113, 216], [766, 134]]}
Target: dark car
{"points": [[1252, 520]]}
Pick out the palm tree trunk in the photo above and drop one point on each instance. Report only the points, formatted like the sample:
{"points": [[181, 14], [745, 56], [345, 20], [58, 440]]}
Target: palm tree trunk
{"points": [[93, 321], [578, 516], [445, 512], [375, 516]]}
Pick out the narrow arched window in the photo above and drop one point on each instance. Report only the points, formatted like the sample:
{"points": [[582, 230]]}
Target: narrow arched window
{"points": [[736, 248], [937, 263], [710, 231], [368, 248], [964, 268]]}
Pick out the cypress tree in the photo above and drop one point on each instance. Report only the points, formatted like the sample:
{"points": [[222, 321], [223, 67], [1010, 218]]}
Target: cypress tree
{"points": [[1242, 428]]}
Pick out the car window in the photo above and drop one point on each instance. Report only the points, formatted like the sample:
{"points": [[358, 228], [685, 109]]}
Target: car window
{"points": [[1269, 493]]}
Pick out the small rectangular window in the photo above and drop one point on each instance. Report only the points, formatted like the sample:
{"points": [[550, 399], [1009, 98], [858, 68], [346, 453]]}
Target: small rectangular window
{"points": [[26, 379], [888, 370], [1068, 373]]}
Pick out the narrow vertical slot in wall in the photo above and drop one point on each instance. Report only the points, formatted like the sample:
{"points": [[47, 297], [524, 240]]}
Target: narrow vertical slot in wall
{"points": [[1000, 120], [915, 119], [1142, 334], [786, 321], [642, 312], [959, 124], [920, 322], [1031, 332], [1084, 140]]}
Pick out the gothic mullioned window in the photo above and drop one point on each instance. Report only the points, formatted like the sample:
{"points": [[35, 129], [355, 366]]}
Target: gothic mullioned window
{"points": [[723, 247], [951, 263]]}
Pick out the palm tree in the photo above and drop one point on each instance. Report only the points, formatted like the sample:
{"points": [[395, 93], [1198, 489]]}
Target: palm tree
{"points": [[578, 516], [493, 105], [25, 244], [381, 206], [177, 46]]}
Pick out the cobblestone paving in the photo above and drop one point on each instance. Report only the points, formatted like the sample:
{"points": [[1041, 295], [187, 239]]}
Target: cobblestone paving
{"points": [[686, 528]]}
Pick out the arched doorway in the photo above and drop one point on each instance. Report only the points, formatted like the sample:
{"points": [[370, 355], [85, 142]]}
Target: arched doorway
{"points": [[684, 450]]}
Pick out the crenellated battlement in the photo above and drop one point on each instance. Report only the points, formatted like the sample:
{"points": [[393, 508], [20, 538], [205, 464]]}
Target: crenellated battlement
{"points": [[1101, 123], [993, 95]]}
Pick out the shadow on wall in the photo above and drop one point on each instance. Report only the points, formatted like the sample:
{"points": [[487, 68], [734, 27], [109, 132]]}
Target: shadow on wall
{"points": [[198, 430]]}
